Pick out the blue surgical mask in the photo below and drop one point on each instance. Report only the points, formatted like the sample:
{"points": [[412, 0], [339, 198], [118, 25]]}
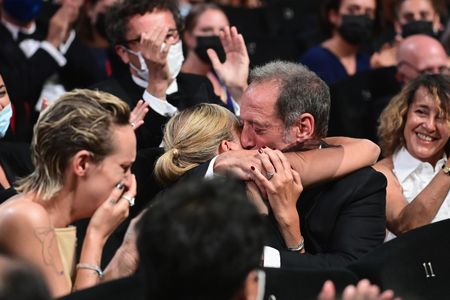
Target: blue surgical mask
{"points": [[5, 118], [23, 10]]}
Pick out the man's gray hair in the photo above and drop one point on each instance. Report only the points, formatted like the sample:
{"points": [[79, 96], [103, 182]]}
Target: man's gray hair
{"points": [[300, 91]]}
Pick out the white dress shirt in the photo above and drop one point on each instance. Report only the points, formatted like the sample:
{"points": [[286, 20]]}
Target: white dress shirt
{"points": [[414, 175]]}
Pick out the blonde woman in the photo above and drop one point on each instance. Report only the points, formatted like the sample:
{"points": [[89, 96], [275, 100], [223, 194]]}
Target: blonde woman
{"points": [[414, 136], [82, 149]]}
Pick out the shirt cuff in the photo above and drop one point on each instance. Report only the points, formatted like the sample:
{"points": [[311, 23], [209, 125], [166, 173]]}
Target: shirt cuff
{"points": [[57, 56], [162, 107], [64, 47], [272, 258], [210, 172]]}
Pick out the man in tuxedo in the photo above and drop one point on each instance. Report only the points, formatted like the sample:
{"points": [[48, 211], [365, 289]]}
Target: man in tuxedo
{"points": [[32, 51], [287, 105], [146, 37]]}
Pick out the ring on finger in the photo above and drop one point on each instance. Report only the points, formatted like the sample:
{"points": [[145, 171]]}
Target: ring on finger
{"points": [[269, 175], [129, 199]]}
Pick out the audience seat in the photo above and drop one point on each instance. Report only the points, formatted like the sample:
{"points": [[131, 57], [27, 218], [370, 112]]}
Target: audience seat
{"points": [[416, 265]]}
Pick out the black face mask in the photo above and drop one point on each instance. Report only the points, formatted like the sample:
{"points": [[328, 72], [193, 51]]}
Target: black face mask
{"points": [[356, 28], [209, 42], [418, 27], [100, 25]]}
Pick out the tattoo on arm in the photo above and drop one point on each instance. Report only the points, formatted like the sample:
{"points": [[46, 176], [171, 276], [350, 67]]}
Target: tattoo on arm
{"points": [[47, 238]]}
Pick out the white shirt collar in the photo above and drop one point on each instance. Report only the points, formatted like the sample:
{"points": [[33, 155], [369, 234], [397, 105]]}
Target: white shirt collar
{"points": [[14, 29], [405, 163]]}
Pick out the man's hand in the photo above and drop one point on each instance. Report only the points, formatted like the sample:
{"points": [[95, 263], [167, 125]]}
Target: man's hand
{"points": [[155, 51], [61, 21], [234, 71]]}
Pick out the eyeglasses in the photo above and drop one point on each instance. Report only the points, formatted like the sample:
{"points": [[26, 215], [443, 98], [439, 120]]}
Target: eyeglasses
{"points": [[172, 37], [443, 70]]}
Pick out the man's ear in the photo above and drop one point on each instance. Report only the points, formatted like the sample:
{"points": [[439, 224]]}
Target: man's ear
{"points": [[81, 162], [250, 288], [304, 127], [122, 53]]}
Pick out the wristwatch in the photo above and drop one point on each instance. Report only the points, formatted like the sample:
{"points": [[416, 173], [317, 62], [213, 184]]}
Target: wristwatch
{"points": [[446, 170]]}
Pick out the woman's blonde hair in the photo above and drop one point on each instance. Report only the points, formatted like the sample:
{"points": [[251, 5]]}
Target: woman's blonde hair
{"points": [[192, 137], [78, 120], [393, 118]]}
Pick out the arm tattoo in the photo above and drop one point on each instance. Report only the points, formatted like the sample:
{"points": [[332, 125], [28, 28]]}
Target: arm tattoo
{"points": [[47, 238]]}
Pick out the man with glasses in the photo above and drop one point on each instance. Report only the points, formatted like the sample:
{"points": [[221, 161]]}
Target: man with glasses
{"points": [[420, 54], [145, 34]]}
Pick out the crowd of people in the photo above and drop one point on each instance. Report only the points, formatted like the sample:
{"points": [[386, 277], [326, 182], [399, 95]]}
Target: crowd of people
{"points": [[143, 151]]}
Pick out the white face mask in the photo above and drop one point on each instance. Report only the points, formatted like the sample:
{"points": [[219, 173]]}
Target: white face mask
{"points": [[5, 117], [175, 60]]}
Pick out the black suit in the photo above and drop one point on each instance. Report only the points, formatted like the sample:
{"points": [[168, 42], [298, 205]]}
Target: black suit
{"points": [[192, 89], [340, 221], [24, 78]]}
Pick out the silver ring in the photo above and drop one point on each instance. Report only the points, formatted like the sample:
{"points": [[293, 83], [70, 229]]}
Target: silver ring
{"points": [[269, 175], [133, 124], [129, 199]]}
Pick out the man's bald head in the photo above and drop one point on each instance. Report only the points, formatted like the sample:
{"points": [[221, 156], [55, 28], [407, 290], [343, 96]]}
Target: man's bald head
{"points": [[420, 54]]}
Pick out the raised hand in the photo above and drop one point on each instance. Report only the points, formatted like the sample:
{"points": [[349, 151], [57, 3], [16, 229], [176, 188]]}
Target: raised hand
{"points": [[363, 291], [138, 113], [155, 50], [234, 71], [61, 21]]}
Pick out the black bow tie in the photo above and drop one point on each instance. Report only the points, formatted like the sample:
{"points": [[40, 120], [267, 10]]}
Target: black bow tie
{"points": [[23, 36]]}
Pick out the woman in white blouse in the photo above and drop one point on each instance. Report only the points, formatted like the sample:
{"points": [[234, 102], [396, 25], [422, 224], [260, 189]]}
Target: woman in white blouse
{"points": [[414, 137]]}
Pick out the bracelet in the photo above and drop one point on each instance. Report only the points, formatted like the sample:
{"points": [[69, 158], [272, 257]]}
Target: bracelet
{"points": [[91, 267], [299, 247]]}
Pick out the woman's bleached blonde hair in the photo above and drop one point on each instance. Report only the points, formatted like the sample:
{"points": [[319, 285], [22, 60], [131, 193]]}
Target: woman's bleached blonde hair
{"points": [[192, 137], [393, 118], [78, 120]]}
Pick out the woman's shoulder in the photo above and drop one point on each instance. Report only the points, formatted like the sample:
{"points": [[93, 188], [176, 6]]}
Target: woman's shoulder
{"points": [[21, 211]]}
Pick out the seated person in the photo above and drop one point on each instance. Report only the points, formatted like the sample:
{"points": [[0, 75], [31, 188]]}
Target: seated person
{"points": [[20, 281], [348, 25], [414, 136], [203, 26], [286, 106], [146, 37], [411, 17], [189, 143], [15, 160], [203, 240], [82, 149]]}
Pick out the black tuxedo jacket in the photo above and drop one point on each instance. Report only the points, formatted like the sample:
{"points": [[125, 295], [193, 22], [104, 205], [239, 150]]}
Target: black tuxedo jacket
{"points": [[340, 220], [192, 90], [24, 78]]}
